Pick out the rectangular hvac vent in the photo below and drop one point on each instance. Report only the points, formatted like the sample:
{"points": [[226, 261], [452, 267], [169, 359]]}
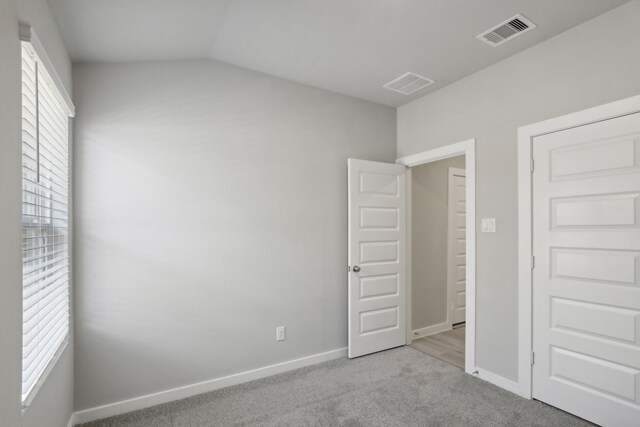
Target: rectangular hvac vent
{"points": [[509, 29], [409, 83]]}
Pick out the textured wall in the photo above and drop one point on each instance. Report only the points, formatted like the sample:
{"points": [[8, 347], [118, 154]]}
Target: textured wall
{"points": [[211, 208]]}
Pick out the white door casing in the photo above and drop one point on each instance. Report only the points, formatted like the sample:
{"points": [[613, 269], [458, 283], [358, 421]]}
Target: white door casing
{"points": [[586, 280], [377, 215], [456, 224], [467, 149]]}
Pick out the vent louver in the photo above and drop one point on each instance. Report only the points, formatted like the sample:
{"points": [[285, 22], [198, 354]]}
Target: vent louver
{"points": [[509, 29], [408, 83]]}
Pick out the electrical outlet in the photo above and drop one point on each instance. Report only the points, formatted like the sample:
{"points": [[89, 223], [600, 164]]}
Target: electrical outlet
{"points": [[280, 333]]}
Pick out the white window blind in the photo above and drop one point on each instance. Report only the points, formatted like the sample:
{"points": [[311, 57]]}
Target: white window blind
{"points": [[45, 220]]}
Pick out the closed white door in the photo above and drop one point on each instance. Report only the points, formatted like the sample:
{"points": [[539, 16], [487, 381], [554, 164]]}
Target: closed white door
{"points": [[586, 276], [376, 256], [457, 224]]}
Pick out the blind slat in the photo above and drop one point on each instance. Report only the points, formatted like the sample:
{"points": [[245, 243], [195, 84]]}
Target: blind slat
{"points": [[26, 239], [59, 280], [37, 193], [27, 180], [42, 354], [45, 341], [39, 328], [44, 357], [62, 252], [59, 198], [48, 324], [54, 251], [42, 296], [60, 207], [39, 333], [58, 267], [46, 304]]}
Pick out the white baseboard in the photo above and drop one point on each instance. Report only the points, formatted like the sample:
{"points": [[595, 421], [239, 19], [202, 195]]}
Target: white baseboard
{"points": [[500, 381], [72, 420], [430, 330], [146, 401]]}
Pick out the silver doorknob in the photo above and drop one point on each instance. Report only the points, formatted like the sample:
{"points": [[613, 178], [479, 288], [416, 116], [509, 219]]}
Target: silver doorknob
{"points": [[356, 269]]}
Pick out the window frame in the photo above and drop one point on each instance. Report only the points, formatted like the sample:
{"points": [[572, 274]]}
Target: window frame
{"points": [[31, 43]]}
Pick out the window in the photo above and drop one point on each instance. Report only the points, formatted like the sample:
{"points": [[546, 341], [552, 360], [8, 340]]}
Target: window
{"points": [[45, 221]]}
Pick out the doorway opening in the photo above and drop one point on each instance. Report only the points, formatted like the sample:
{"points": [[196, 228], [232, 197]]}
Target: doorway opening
{"points": [[380, 253], [438, 265], [441, 253]]}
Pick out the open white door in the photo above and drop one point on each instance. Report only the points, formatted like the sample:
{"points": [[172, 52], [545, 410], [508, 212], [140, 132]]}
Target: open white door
{"points": [[586, 279], [377, 204]]}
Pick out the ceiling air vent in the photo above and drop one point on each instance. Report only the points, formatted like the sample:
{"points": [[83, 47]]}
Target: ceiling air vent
{"points": [[509, 29], [408, 83]]}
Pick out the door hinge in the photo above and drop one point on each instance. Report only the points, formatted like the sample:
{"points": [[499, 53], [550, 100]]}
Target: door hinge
{"points": [[532, 165], [533, 262], [533, 358]]}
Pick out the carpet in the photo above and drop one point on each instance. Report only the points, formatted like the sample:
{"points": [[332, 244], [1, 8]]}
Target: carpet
{"points": [[398, 387]]}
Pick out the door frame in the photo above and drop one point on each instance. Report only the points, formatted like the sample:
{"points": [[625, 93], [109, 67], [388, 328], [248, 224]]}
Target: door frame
{"points": [[525, 233], [468, 149], [451, 266]]}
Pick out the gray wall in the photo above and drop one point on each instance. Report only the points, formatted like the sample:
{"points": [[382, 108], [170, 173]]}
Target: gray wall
{"points": [[210, 209], [594, 63], [53, 404], [429, 210]]}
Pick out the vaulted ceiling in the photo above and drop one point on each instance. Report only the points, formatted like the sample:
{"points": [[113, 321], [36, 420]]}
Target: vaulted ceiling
{"points": [[346, 46]]}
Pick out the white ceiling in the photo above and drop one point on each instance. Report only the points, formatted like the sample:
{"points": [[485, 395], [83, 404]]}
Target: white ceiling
{"points": [[346, 46]]}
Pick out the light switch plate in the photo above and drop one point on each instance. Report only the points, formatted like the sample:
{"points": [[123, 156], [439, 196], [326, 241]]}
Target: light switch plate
{"points": [[488, 225]]}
